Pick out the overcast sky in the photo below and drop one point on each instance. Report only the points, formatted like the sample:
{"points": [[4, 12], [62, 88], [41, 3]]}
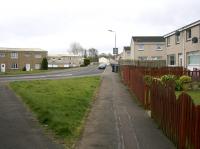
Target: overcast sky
{"points": [[54, 24]]}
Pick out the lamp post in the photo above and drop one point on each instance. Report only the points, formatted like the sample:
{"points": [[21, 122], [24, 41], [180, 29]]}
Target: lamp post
{"points": [[115, 49]]}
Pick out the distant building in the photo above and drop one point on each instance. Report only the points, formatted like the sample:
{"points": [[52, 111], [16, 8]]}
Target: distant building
{"points": [[103, 60], [18, 58], [126, 54], [64, 61], [183, 46], [146, 48]]}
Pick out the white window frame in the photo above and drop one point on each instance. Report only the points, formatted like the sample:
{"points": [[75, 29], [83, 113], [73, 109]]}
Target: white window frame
{"points": [[2, 54], [36, 66], [169, 60], [14, 66], [141, 47], [159, 49], [187, 34], [38, 56], [177, 38], [14, 55], [168, 41]]}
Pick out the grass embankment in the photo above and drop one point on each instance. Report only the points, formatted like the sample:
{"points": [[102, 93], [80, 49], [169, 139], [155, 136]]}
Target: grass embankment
{"points": [[195, 95], [62, 105]]}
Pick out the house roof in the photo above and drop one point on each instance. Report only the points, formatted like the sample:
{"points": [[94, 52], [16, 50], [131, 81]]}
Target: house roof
{"points": [[63, 55], [21, 49], [183, 28], [148, 38], [127, 48]]}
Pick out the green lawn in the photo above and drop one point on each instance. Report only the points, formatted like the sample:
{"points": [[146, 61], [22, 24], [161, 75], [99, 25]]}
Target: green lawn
{"points": [[194, 94], [62, 105]]}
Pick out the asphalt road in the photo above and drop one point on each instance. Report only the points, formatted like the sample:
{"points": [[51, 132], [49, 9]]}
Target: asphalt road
{"points": [[82, 71]]}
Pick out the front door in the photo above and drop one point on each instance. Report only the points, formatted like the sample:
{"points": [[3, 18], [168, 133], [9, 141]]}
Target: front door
{"points": [[3, 67], [28, 67]]}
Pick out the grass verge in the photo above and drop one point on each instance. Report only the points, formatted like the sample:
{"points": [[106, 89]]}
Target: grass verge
{"points": [[61, 105], [18, 72], [195, 94]]}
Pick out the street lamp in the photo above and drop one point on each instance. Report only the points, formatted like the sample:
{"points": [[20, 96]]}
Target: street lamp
{"points": [[115, 39]]}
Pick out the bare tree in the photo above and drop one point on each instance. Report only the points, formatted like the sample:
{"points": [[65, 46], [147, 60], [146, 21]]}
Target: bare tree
{"points": [[76, 49], [92, 52]]}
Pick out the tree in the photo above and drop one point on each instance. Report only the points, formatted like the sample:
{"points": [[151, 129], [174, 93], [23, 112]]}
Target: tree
{"points": [[76, 49], [44, 65], [86, 61], [93, 54]]}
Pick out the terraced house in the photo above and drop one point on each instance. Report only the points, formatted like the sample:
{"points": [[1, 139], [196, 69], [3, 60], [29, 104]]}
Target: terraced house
{"points": [[18, 58], [64, 61], [183, 46]]}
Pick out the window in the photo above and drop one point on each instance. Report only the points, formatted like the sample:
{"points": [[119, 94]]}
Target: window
{"points": [[14, 55], [128, 52], [177, 38], [171, 60], [156, 57], [2, 54], [194, 60], [142, 58], [14, 66], [141, 47], [37, 66], [168, 41], [27, 55], [188, 34], [38, 56], [158, 47]]}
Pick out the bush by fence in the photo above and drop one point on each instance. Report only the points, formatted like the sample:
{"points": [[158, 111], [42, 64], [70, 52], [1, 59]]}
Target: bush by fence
{"points": [[179, 119]]}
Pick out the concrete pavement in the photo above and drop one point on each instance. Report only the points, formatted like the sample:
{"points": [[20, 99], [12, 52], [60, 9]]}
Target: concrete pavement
{"points": [[117, 122], [18, 128]]}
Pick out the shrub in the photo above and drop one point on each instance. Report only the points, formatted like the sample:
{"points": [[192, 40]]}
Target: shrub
{"points": [[185, 79], [24, 68], [167, 78], [86, 61], [178, 85], [44, 65], [148, 80]]}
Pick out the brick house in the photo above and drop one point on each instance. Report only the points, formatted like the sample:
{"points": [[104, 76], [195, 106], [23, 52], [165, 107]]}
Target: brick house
{"points": [[183, 46], [18, 58]]}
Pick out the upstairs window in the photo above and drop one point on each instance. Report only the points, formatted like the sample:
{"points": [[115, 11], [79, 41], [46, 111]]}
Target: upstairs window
{"points": [[141, 47], [168, 41], [2, 54], [177, 39], [14, 55], [188, 34], [38, 56], [158, 47]]}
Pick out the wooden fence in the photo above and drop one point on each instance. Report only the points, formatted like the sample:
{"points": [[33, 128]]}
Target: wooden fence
{"points": [[179, 119]]}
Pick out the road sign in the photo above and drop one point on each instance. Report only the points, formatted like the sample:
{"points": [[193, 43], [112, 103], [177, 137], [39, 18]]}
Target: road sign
{"points": [[115, 50]]}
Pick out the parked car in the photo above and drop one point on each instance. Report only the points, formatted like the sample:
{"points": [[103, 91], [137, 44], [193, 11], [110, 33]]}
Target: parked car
{"points": [[102, 66]]}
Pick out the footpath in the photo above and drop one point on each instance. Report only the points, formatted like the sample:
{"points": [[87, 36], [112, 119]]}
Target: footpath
{"points": [[18, 127], [116, 121]]}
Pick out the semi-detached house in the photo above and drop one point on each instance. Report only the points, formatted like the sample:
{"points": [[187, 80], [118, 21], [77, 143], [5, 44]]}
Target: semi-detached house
{"points": [[147, 48]]}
